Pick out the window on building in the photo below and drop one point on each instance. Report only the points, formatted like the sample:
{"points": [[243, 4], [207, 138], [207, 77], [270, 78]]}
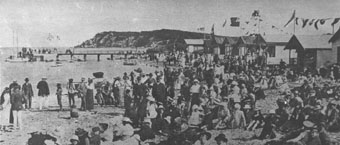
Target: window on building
{"points": [[271, 51]]}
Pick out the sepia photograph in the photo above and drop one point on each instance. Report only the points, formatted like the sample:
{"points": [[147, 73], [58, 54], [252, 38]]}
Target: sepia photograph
{"points": [[170, 72]]}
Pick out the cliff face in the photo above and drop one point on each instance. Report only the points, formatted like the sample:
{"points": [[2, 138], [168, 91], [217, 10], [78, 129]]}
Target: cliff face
{"points": [[156, 38]]}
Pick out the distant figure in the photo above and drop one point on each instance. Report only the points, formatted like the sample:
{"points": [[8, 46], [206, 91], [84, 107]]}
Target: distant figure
{"points": [[82, 93], [43, 93], [89, 94], [6, 107], [28, 93], [59, 95], [71, 92], [17, 101]]}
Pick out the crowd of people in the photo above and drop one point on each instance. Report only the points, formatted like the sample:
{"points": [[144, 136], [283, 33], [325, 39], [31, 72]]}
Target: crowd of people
{"points": [[199, 94]]}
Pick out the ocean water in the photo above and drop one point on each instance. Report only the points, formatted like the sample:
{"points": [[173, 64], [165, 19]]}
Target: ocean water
{"points": [[76, 70]]}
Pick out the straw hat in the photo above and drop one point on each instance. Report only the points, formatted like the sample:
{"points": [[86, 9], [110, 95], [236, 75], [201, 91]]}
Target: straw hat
{"points": [[196, 80], [150, 98], [237, 106], [194, 107], [74, 138], [247, 107], [126, 119], [272, 111], [308, 124]]}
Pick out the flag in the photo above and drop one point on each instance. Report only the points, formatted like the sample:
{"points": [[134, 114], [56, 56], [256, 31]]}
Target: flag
{"points": [[297, 21], [273, 26], [235, 21], [291, 19], [212, 29], [225, 22], [256, 13], [304, 22], [316, 24], [200, 29], [336, 20], [323, 21], [260, 20], [247, 22]]}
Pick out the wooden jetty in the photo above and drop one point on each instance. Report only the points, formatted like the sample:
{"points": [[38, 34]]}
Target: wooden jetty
{"points": [[98, 53]]}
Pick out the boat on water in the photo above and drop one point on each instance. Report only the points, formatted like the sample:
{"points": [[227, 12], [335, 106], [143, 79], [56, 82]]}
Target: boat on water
{"points": [[130, 62], [17, 59]]}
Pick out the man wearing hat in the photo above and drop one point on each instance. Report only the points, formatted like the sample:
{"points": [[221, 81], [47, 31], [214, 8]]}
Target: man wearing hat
{"points": [[333, 118], [308, 136], [43, 93], [269, 126], [74, 140], [82, 92], [71, 89], [28, 93], [158, 91]]}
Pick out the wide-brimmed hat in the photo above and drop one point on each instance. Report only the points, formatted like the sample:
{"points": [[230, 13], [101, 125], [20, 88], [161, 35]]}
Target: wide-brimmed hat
{"points": [[237, 106], [74, 138], [308, 124], [221, 137], [196, 80], [150, 98], [207, 134], [95, 129], [126, 119], [247, 107], [80, 132], [194, 107], [272, 111]]}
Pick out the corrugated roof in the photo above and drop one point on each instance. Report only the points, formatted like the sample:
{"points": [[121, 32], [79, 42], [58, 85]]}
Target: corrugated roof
{"points": [[277, 38], [314, 41], [194, 41]]}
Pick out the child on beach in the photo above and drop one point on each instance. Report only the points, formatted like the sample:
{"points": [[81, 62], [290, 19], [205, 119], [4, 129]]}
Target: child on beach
{"points": [[59, 94]]}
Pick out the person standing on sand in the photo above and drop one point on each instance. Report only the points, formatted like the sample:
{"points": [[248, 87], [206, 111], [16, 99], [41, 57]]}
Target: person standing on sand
{"points": [[16, 101], [28, 93], [89, 94], [59, 95], [43, 93], [71, 92], [82, 93], [5, 103]]}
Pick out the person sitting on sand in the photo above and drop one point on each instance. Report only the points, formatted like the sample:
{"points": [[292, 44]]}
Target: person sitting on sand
{"points": [[74, 140], [83, 136], [221, 139], [95, 137]]}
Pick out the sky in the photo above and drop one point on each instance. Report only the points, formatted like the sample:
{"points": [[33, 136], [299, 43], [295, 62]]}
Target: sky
{"points": [[38, 22]]}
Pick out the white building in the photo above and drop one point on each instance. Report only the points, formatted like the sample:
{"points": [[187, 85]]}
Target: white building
{"points": [[275, 49]]}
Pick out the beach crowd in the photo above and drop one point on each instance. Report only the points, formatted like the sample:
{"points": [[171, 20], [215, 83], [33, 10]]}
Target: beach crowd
{"points": [[193, 96]]}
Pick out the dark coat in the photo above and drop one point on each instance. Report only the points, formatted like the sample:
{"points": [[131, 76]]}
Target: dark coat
{"points": [[158, 92], [17, 100], [27, 89], [43, 88]]}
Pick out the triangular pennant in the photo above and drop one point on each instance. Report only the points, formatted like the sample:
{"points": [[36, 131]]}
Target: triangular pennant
{"points": [[316, 24], [304, 22], [291, 19], [311, 22], [323, 21], [296, 21]]}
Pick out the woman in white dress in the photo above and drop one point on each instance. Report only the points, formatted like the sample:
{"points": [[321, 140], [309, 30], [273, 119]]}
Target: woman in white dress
{"points": [[6, 107]]}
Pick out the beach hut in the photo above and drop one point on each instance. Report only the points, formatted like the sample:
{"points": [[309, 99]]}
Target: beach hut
{"points": [[194, 45], [275, 49], [335, 40], [313, 51], [230, 45], [251, 46]]}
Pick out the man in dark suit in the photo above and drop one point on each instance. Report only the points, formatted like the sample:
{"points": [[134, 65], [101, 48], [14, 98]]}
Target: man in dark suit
{"points": [[43, 92], [28, 93], [158, 91]]}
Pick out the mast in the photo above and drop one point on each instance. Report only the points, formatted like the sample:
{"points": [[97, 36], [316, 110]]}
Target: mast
{"points": [[17, 43]]}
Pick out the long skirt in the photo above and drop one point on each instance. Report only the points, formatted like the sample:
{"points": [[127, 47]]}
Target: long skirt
{"points": [[89, 99]]}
